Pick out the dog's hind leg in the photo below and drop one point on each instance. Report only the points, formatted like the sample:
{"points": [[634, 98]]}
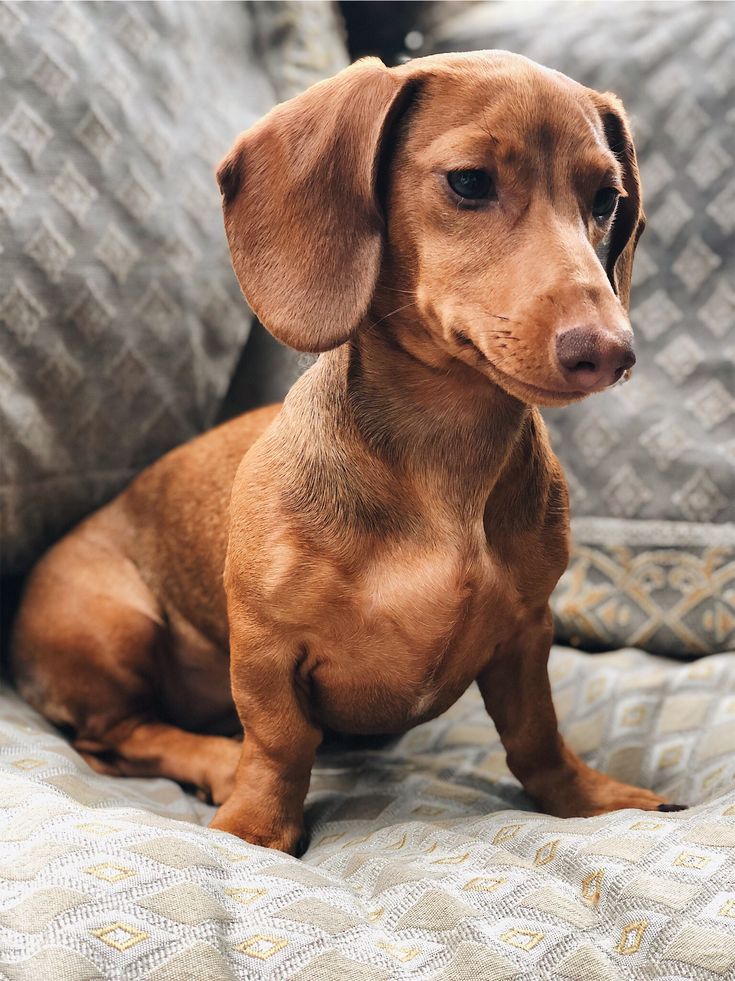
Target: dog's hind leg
{"points": [[84, 654], [137, 748], [140, 748]]}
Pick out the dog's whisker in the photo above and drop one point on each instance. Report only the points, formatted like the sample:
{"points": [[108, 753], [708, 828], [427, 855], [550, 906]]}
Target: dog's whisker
{"points": [[393, 312]]}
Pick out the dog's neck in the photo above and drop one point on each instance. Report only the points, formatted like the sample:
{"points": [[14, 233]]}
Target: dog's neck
{"points": [[438, 420], [386, 440]]}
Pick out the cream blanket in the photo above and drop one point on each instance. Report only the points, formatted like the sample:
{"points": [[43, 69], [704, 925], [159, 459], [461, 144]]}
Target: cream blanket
{"points": [[427, 861]]}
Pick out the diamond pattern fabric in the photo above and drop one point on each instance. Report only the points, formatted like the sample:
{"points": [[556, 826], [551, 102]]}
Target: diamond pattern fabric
{"points": [[120, 317], [427, 860]]}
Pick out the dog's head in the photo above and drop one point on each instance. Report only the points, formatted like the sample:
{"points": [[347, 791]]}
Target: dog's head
{"points": [[481, 203]]}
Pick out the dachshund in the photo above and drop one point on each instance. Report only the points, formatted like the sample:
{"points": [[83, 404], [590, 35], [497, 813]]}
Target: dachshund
{"points": [[455, 238]]}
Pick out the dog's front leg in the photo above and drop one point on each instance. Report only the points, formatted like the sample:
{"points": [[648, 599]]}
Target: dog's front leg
{"points": [[516, 691], [266, 806]]}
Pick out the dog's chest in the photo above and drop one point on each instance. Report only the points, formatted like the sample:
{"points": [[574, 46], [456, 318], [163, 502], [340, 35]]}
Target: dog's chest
{"points": [[415, 632]]}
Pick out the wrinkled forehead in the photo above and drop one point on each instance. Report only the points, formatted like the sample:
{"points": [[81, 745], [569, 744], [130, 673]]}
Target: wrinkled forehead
{"points": [[517, 111]]}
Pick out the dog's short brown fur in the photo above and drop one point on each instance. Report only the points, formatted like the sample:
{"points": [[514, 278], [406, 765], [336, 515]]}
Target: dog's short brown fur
{"points": [[394, 531]]}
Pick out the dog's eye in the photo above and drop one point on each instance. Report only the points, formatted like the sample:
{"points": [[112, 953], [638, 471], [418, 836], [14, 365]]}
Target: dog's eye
{"points": [[470, 184], [605, 201]]}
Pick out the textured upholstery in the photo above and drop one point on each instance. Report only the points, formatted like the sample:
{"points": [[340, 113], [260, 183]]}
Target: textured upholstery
{"points": [[427, 861], [120, 318]]}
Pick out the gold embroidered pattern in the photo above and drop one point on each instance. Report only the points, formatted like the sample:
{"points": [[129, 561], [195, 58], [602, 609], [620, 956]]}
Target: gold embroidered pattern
{"points": [[670, 757], [402, 954], [28, 764], [97, 829], [646, 826], [690, 860], [452, 859], [609, 593], [261, 946], [712, 777], [728, 909], [523, 939], [634, 715], [233, 856], [483, 883], [506, 833], [357, 841], [631, 937], [591, 887], [546, 853], [246, 895], [109, 872], [595, 689], [120, 936]]}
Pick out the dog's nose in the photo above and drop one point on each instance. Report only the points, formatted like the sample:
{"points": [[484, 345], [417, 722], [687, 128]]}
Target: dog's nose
{"points": [[591, 358]]}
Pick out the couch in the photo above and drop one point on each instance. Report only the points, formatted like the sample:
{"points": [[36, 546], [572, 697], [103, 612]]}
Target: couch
{"points": [[427, 860]]}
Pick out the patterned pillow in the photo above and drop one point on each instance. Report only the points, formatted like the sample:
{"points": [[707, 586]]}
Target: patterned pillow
{"points": [[120, 317], [651, 465]]}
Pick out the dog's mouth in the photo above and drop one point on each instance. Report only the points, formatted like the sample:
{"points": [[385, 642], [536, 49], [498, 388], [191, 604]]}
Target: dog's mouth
{"points": [[519, 389], [533, 393]]}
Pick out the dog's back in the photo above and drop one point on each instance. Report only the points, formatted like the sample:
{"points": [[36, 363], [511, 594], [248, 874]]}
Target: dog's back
{"points": [[151, 562]]}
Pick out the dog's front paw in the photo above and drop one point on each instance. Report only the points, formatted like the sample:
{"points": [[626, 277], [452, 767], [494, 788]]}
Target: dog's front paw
{"points": [[284, 836], [586, 793]]}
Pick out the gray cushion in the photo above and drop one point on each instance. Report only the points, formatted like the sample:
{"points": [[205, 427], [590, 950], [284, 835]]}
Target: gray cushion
{"points": [[121, 320], [651, 465]]}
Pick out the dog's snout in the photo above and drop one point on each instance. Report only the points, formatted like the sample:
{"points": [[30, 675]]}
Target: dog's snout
{"points": [[590, 358]]}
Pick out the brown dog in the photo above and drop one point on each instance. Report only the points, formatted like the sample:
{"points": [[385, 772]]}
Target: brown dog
{"points": [[394, 531]]}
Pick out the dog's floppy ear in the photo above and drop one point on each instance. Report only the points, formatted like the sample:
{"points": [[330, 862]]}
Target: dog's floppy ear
{"points": [[629, 220], [301, 205]]}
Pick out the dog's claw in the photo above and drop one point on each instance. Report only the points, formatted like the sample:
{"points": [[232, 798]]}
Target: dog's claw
{"points": [[672, 807]]}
